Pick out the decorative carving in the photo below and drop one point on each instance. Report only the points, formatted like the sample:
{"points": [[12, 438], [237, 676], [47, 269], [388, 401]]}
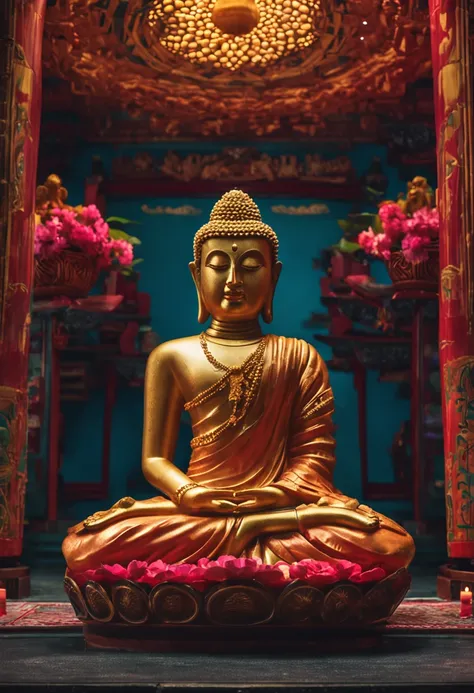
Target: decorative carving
{"points": [[240, 603], [384, 356], [23, 91], [65, 274], [422, 276], [178, 95], [300, 604], [236, 164], [451, 290], [459, 446], [302, 210], [130, 602], [75, 597], [12, 462], [342, 604], [98, 602], [182, 211], [170, 603]]}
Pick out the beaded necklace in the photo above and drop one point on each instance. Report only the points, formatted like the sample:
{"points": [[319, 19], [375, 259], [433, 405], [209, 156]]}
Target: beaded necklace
{"points": [[243, 383]]}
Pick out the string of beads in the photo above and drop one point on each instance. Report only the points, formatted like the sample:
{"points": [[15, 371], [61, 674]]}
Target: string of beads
{"points": [[243, 384]]}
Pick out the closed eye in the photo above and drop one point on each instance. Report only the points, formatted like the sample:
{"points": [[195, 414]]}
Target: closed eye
{"points": [[218, 268], [251, 264]]}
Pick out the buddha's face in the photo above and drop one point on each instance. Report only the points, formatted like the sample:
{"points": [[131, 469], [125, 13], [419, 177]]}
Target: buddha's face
{"points": [[237, 277]]}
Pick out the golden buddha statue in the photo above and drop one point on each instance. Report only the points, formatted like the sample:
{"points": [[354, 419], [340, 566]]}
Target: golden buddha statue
{"points": [[260, 478]]}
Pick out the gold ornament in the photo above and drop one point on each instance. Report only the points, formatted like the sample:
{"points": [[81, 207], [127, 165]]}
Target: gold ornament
{"points": [[243, 386], [235, 17], [235, 34], [235, 214]]}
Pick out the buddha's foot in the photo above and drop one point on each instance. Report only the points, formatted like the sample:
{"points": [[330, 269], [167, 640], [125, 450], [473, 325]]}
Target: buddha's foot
{"points": [[314, 515], [102, 517], [350, 504]]}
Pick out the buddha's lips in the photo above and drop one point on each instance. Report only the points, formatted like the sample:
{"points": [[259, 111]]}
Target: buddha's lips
{"points": [[235, 297]]}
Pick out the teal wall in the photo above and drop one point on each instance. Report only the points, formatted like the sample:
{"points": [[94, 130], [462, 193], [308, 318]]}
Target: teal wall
{"points": [[167, 249]]}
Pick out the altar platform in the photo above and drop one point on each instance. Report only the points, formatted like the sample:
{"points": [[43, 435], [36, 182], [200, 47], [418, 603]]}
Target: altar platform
{"points": [[60, 662]]}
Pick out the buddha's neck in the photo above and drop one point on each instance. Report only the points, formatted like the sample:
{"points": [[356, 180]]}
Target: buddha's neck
{"points": [[244, 332]]}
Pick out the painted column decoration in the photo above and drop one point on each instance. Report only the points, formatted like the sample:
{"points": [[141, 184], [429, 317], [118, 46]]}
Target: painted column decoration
{"points": [[451, 33], [21, 32]]}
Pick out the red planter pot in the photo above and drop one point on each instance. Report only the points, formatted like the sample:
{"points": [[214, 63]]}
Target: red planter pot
{"points": [[423, 276], [65, 274]]}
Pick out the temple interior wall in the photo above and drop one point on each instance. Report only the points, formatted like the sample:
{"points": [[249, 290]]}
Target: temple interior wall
{"points": [[167, 249]]}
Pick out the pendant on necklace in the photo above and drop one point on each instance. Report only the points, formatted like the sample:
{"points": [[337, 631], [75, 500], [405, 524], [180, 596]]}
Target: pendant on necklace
{"points": [[236, 386]]}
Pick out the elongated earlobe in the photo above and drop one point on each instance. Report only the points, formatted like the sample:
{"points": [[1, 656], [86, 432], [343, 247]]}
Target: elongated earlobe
{"points": [[203, 313], [267, 310]]}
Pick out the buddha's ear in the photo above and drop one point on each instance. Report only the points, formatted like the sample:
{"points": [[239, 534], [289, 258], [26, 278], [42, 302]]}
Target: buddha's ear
{"points": [[203, 313], [267, 310]]}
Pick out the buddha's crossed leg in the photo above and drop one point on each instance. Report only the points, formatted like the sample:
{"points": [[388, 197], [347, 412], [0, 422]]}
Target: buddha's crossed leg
{"points": [[126, 508]]}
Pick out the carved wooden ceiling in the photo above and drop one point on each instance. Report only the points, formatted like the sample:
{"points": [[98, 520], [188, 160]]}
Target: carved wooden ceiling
{"points": [[360, 57]]}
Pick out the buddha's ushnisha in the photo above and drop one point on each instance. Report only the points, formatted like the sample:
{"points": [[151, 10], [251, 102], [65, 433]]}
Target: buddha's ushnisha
{"points": [[260, 477]]}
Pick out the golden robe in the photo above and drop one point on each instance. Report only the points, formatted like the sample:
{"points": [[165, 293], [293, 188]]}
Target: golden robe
{"points": [[287, 440]]}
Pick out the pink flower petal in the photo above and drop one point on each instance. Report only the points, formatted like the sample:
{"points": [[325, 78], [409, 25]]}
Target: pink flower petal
{"points": [[136, 569], [372, 575]]}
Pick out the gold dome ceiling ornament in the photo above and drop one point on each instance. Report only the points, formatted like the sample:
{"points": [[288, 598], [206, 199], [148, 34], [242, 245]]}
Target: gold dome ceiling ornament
{"points": [[235, 34], [296, 94], [235, 17]]}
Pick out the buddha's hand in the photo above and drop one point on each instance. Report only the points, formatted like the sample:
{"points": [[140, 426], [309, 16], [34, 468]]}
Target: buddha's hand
{"points": [[348, 503], [265, 498], [201, 500]]}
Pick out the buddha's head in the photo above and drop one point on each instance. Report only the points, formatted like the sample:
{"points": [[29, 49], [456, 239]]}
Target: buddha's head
{"points": [[235, 266]]}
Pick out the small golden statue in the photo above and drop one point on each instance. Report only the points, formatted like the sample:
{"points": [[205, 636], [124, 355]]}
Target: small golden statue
{"points": [[260, 478], [419, 195]]}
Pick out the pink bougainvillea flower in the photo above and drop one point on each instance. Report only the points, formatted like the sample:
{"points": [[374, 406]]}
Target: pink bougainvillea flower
{"points": [[415, 248], [393, 220], [382, 245], [59, 244], [122, 251], [101, 229], [424, 222], [47, 232], [90, 214], [84, 230], [366, 240]]}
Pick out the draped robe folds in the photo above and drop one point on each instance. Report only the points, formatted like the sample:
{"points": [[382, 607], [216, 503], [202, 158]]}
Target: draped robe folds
{"points": [[285, 440]]}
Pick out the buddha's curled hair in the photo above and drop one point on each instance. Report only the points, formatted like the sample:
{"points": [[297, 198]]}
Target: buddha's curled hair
{"points": [[234, 215]]}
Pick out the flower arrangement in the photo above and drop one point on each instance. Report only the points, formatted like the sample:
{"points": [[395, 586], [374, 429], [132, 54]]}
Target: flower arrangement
{"points": [[83, 230], [206, 572], [410, 225]]}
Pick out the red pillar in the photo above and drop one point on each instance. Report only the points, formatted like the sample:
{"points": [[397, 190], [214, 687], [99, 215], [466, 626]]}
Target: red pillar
{"points": [[21, 31], [451, 28]]}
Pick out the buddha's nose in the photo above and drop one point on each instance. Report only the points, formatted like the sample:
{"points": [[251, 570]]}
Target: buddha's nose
{"points": [[233, 278]]}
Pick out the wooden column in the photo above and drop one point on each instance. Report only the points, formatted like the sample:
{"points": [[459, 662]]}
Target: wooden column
{"points": [[451, 36], [21, 30]]}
